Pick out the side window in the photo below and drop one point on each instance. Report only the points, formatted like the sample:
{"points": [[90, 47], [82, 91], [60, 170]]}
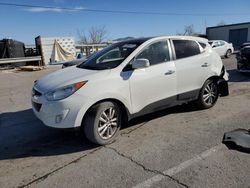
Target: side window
{"points": [[216, 44], [156, 53], [203, 45], [222, 43], [185, 48]]}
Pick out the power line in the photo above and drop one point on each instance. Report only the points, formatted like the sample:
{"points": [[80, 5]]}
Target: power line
{"points": [[120, 11]]}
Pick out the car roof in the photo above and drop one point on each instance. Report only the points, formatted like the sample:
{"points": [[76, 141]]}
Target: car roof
{"points": [[216, 40], [135, 40], [141, 40]]}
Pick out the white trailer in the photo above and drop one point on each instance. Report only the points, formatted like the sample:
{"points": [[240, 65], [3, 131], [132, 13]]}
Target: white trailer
{"points": [[46, 47]]}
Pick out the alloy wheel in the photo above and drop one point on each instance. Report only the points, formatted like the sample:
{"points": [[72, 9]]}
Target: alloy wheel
{"points": [[108, 123], [210, 93]]}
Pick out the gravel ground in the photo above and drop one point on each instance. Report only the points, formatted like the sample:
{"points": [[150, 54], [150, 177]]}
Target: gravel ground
{"points": [[177, 147]]}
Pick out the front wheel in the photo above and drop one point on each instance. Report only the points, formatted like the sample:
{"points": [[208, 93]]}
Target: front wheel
{"points": [[102, 123], [208, 95]]}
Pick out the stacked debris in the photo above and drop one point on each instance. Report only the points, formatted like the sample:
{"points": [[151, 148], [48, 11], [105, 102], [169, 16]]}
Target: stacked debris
{"points": [[11, 48]]}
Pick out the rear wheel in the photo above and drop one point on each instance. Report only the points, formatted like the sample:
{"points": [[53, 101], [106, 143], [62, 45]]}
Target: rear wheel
{"points": [[228, 53], [208, 95], [102, 123]]}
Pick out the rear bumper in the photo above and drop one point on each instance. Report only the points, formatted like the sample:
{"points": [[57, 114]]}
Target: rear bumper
{"points": [[223, 87]]}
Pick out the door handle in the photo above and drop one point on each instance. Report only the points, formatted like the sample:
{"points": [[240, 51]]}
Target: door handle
{"points": [[205, 65], [169, 72]]}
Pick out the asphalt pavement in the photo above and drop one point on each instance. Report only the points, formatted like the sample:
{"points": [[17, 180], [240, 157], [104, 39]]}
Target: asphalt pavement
{"points": [[177, 147]]}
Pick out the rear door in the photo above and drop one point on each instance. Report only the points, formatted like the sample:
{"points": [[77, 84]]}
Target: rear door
{"points": [[192, 67]]}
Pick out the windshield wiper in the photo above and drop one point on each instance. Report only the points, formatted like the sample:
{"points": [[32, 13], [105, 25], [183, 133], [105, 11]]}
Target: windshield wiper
{"points": [[92, 68]]}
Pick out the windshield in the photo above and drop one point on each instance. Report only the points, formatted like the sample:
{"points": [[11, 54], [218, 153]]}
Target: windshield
{"points": [[111, 56]]}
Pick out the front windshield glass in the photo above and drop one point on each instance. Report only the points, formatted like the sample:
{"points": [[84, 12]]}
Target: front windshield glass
{"points": [[111, 56]]}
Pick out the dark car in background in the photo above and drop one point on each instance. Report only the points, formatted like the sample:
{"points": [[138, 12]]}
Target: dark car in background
{"points": [[245, 44], [79, 59], [243, 58]]}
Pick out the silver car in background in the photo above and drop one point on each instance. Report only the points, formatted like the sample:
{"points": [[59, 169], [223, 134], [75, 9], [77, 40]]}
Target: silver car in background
{"points": [[223, 48]]}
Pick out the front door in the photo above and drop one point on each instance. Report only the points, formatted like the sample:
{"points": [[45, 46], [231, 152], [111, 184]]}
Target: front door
{"points": [[153, 87]]}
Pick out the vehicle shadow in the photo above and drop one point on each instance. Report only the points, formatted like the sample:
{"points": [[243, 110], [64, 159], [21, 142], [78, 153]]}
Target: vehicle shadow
{"points": [[23, 135], [234, 147]]}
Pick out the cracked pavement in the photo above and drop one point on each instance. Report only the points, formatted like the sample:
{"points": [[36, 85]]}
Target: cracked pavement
{"points": [[147, 150]]}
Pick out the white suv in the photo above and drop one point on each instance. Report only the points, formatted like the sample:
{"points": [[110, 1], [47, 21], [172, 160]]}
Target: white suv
{"points": [[128, 79]]}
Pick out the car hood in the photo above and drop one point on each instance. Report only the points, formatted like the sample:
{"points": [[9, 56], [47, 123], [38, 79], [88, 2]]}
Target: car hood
{"points": [[76, 61], [65, 77]]}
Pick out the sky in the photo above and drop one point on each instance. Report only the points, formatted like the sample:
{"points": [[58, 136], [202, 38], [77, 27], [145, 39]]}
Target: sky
{"points": [[26, 23]]}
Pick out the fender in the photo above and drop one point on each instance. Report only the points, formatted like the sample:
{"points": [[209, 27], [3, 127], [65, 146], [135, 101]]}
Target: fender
{"points": [[107, 96]]}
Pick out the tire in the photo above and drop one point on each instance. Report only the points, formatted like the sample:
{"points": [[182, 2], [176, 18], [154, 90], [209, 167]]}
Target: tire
{"points": [[228, 53], [208, 95], [102, 123]]}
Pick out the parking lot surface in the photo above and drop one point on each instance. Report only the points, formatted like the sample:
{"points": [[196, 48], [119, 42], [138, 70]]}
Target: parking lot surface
{"points": [[177, 147]]}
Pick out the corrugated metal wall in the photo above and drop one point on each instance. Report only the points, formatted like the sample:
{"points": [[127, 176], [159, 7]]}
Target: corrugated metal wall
{"points": [[223, 32]]}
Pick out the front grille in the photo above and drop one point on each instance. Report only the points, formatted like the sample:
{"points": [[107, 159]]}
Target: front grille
{"points": [[37, 106]]}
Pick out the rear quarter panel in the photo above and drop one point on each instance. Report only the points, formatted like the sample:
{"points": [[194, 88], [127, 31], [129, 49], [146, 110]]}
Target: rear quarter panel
{"points": [[216, 64]]}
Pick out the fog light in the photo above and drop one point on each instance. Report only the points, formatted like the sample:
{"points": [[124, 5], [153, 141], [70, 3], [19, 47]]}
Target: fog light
{"points": [[62, 116], [59, 118]]}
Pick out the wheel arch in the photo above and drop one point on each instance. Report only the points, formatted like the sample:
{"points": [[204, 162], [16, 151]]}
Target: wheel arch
{"points": [[215, 78], [221, 83], [125, 112], [228, 50]]}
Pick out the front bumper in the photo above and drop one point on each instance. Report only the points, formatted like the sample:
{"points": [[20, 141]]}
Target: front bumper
{"points": [[243, 65], [243, 69], [66, 113]]}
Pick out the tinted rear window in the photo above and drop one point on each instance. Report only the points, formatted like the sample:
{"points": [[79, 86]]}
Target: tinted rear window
{"points": [[185, 48]]}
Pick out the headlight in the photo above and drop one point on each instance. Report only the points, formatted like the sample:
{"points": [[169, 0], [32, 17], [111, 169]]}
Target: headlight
{"points": [[64, 92]]}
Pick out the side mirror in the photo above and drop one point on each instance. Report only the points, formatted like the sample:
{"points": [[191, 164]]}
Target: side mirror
{"points": [[140, 63]]}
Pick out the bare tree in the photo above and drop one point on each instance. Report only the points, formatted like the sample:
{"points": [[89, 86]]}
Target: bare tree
{"points": [[82, 37], [97, 34], [94, 35], [221, 23], [188, 30]]}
